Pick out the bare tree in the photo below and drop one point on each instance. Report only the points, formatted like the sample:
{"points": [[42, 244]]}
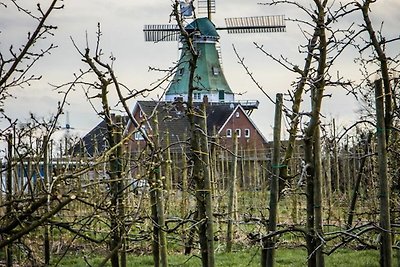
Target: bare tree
{"points": [[324, 46], [200, 152]]}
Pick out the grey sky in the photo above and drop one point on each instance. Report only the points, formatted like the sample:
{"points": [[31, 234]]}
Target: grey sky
{"points": [[122, 23]]}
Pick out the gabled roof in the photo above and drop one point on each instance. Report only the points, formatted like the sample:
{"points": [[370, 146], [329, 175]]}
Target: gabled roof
{"points": [[172, 117], [248, 117]]}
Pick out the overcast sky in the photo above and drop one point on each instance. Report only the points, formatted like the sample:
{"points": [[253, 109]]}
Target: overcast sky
{"points": [[122, 23]]}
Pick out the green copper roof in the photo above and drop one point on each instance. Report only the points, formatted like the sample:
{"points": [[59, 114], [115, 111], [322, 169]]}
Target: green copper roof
{"points": [[209, 77]]}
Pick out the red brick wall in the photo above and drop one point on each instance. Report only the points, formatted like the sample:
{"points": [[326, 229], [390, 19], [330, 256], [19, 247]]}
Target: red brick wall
{"points": [[242, 123]]}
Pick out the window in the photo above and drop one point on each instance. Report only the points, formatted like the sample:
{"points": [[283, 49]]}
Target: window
{"points": [[237, 114], [138, 134], [196, 96], [215, 71], [247, 133], [181, 71], [140, 114], [238, 132], [221, 95], [229, 133]]}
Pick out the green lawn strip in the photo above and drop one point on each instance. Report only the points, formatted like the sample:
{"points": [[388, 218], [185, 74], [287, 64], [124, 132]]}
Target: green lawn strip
{"points": [[291, 257]]}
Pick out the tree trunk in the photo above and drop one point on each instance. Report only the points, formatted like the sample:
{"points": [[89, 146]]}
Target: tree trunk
{"points": [[208, 208], [200, 155], [294, 117], [154, 217], [167, 182], [115, 177], [384, 191], [157, 202], [308, 151], [160, 198]]}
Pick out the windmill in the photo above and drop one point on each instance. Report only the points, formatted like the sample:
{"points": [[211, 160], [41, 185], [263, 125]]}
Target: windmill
{"points": [[210, 79]]}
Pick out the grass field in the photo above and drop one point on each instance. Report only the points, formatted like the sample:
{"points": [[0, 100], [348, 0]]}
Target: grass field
{"points": [[284, 257]]}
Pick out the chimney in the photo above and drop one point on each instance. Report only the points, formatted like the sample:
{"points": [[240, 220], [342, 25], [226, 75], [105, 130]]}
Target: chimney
{"points": [[205, 100], [178, 103]]}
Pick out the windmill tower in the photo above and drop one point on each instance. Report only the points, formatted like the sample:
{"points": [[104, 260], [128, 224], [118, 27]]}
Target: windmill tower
{"points": [[209, 77]]}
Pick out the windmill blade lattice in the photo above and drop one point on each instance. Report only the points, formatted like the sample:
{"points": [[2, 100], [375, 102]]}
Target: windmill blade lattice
{"points": [[161, 32], [202, 6], [255, 24]]}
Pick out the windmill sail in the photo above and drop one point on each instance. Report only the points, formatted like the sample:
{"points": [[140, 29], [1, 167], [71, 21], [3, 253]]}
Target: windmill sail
{"points": [[255, 24], [202, 6], [161, 32]]}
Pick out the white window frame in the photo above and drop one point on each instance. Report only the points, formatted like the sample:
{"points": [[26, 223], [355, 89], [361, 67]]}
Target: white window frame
{"points": [[238, 132], [229, 133], [237, 114], [215, 71], [197, 96], [138, 134], [247, 133]]}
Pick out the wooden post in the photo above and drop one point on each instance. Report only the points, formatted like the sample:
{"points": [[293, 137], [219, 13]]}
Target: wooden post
{"points": [[114, 177], [347, 172], [208, 212], [185, 189], [47, 186], [120, 188], [335, 160], [167, 183], [318, 198], [384, 191], [232, 193], [213, 167], [357, 184], [328, 181], [9, 192], [268, 250]]}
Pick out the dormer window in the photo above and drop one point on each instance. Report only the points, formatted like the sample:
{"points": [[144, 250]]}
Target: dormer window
{"points": [[215, 71]]}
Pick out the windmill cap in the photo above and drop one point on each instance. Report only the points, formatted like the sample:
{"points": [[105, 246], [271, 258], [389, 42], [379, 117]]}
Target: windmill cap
{"points": [[204, 26]]}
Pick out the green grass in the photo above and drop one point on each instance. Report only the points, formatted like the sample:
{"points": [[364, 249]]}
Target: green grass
{"points": [[295, 257]]}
